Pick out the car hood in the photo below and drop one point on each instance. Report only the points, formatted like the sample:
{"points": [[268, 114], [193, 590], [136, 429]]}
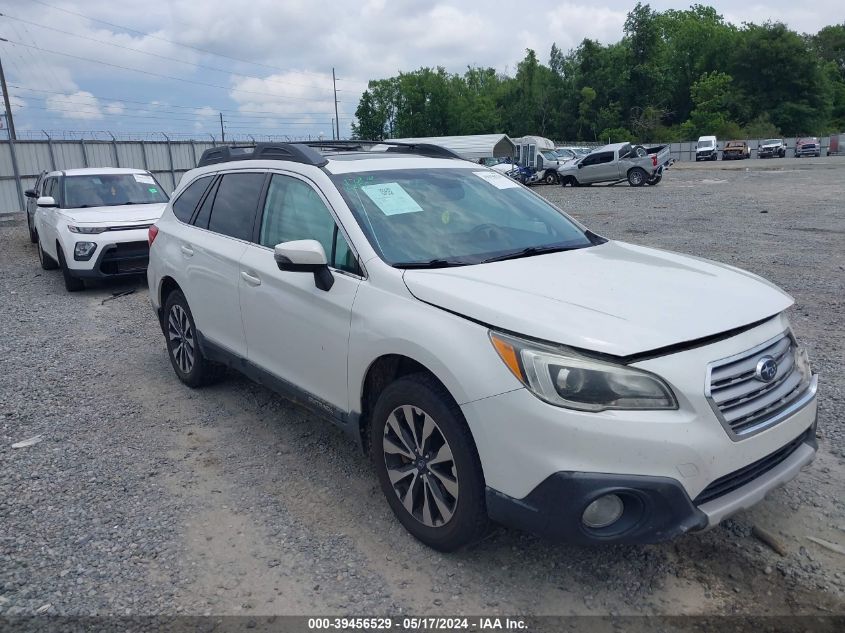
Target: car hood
{"points": [[615, 298], [116, 214]]}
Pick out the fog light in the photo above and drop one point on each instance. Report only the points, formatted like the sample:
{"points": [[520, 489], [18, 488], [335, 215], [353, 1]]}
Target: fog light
{"points": [[603, 511], [82, 251]]}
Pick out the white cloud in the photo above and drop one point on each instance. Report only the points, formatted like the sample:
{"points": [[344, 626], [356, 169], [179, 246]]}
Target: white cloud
{"points": [[80, 105], [115, 107]]}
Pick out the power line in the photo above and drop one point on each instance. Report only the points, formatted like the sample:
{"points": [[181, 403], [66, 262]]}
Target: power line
{"points": [[172, 59], [128, 115], [152, 74], [95, 108], [156, 37], [163, 106]]}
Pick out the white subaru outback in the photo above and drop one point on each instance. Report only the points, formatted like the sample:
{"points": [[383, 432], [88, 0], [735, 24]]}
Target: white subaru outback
{"points": [[92, 223], [498, 360]]}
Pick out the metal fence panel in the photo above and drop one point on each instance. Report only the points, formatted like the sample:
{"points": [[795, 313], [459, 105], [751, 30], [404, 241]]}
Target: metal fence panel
{"points": [[183, 156], [130, 155], [69, 154]]}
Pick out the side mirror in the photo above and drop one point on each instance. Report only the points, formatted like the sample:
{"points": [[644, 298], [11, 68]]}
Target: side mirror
{"points": [[305, 256], [30, 193], [580, 165], [46, 202]]}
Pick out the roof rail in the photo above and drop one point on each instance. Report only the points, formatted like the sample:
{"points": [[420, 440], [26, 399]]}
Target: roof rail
{"points": [[307, 151], [425, 149], [263, 151]]}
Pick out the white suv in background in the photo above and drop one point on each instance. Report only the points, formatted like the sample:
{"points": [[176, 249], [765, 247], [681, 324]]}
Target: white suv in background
{"points": [[92, 223], [497, 359]]}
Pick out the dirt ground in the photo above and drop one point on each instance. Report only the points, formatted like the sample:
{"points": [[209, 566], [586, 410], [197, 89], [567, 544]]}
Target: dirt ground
{"points": [[145, 497]]}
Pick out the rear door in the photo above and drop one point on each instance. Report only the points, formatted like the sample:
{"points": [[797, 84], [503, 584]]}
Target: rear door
{"points": [[211, 251], [294, 330]]}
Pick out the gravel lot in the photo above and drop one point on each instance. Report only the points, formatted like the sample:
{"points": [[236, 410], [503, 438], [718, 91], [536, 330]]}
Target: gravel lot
{"points": [[145, 497]]}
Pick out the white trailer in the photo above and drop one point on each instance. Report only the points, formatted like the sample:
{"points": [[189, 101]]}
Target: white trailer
{"points": [[474, 147], [537, 153]]}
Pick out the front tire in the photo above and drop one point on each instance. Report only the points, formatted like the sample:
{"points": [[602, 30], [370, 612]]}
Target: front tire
{"points": [[427, 463], [72, 283], [551, 178], [186, 357]]}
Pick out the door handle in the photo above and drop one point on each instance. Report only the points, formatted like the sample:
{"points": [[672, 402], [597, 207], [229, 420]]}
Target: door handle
{"points": [[251, 279], [187, 250]]}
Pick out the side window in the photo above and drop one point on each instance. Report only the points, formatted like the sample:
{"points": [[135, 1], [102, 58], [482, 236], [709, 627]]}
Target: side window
{"points": [[50, 188], [605, 157], [235, 204], [186, 203], [205, 210], [590, 160], [294, 211]]}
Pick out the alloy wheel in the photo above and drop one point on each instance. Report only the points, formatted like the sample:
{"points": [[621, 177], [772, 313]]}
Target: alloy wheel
{"points": [[181, 337], [420, 466]]}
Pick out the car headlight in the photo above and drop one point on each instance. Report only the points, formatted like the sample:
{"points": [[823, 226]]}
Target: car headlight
{"points": [[86, 230], [564, 378]]}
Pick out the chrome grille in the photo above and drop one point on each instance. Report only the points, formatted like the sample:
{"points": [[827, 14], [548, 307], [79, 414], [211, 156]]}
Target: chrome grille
{"points": [[744, 403]]}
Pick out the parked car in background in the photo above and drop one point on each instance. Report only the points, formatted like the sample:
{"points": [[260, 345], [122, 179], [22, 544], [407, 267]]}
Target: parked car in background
{"points": [[32, 196], [92, 223], [736, 150], [772, 148], [616, 163], [808, 146], [497, 360], [706, 148]]}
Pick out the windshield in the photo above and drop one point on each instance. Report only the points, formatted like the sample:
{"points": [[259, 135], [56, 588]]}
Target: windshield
{"points": [[565, 153], [705, 143], [106, 190], [771, 141], [453, 216]]}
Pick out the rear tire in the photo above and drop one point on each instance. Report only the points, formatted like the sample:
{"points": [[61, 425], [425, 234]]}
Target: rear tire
{"points": [[427, 463], [183, 349], [551, 178], [637, 177], [47, 262], [72, 283]]}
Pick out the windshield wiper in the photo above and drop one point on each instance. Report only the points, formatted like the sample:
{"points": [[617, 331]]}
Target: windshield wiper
{"points": [[432, 263], [530, 251]]}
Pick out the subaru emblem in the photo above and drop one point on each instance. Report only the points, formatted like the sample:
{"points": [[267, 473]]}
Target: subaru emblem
{"points": [[767, 369]]}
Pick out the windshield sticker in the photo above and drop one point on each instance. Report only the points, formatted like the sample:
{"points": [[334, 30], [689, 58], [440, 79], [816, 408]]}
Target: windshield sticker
{"points": [[147, 180], [152, 190], [391, 198], [500, 181], [351, 184]]}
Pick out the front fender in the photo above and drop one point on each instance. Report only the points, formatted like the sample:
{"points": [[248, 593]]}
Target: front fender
{"points": [[456, 350]]}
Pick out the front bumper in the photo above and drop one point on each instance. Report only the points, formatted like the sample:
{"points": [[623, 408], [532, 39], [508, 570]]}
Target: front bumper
{"points": [[656, 509], [808, 151], [121, 259]]}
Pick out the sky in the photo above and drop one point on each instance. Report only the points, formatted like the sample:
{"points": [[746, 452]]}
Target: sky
{"points": [[173, 66]]}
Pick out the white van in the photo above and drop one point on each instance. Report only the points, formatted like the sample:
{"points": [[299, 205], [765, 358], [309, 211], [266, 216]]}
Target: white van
{"points": [[706, 148]]}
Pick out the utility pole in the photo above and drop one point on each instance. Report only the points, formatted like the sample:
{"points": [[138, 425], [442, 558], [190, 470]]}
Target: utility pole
{"points": [[10, 121], [336, 120], [222, 131]]}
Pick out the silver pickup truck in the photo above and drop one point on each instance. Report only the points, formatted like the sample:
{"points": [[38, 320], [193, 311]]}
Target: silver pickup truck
{"points": [[616, 163]]}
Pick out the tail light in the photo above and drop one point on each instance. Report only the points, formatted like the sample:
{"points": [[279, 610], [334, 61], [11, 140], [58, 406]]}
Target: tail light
{"points": [[653, 164], [151, 235]]}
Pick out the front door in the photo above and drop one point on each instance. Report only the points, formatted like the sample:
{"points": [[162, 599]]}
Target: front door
{"points": [[294, 330]]}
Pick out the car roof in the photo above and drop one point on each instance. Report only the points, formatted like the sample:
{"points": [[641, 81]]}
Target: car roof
{"points": [[97, 171]]}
